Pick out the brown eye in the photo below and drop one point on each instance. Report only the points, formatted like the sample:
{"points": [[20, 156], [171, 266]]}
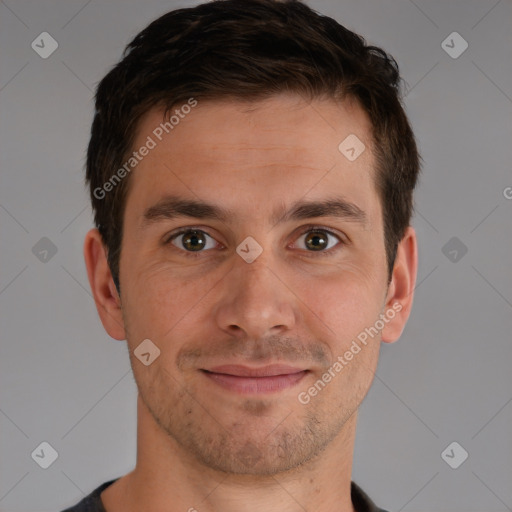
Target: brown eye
{"points": [[192, 240], [319, 240], [316, 240]]}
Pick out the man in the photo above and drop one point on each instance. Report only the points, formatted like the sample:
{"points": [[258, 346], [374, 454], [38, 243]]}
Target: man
{"points": [[251, 172]]}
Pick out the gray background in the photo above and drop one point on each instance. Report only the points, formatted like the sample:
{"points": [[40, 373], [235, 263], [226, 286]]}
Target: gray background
{"points": [[64, 381]]}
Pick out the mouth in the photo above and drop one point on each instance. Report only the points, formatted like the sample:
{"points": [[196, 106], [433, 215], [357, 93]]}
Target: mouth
{"points": [[245, 380]]}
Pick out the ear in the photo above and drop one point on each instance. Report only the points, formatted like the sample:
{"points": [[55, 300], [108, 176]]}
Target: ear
{"points": [[108, 302], [401, 288]]}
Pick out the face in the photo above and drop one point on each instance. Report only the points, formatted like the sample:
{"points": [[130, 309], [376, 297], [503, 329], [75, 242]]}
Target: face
{"points": [[254, 293]]}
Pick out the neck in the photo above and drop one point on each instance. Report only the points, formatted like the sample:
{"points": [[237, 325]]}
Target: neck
{"points": [[168, 479]]}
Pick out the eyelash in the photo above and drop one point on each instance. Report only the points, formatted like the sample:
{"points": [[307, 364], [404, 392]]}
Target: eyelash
{"points": [[307, 229]]}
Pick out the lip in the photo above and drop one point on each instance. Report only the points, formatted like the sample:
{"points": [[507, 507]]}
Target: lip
{"points": [[246, 380], [270, 370]]}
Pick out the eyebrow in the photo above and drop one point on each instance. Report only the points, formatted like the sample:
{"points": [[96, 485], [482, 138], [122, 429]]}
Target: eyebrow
{"points": [[172, 207]]}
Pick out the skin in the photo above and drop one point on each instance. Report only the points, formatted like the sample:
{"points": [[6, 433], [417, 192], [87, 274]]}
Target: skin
{"points": [[199, 445]]}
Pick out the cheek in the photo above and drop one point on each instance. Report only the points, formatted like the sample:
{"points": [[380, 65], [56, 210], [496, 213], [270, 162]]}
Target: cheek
{"points": [[346, 302], [158, 297]]}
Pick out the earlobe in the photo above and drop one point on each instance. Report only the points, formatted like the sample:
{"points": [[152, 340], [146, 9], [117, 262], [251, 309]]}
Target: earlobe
{"points": [[400, 294], [108, 302]]}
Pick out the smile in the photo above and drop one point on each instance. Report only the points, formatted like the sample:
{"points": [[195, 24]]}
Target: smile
{"points": [[244, 380]]}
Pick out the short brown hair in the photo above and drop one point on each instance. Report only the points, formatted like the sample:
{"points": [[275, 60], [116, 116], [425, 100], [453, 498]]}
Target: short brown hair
{"points": [[249, 50]]}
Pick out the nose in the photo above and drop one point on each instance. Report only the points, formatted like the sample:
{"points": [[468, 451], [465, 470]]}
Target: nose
{"points": [[255, 301]]}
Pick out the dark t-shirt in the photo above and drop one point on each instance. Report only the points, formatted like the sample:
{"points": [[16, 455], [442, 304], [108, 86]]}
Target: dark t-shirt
{"points": [[92, 503]]}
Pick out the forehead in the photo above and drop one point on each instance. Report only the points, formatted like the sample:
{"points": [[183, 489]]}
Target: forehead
{"points": [[284, 122], [247, 152]]}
